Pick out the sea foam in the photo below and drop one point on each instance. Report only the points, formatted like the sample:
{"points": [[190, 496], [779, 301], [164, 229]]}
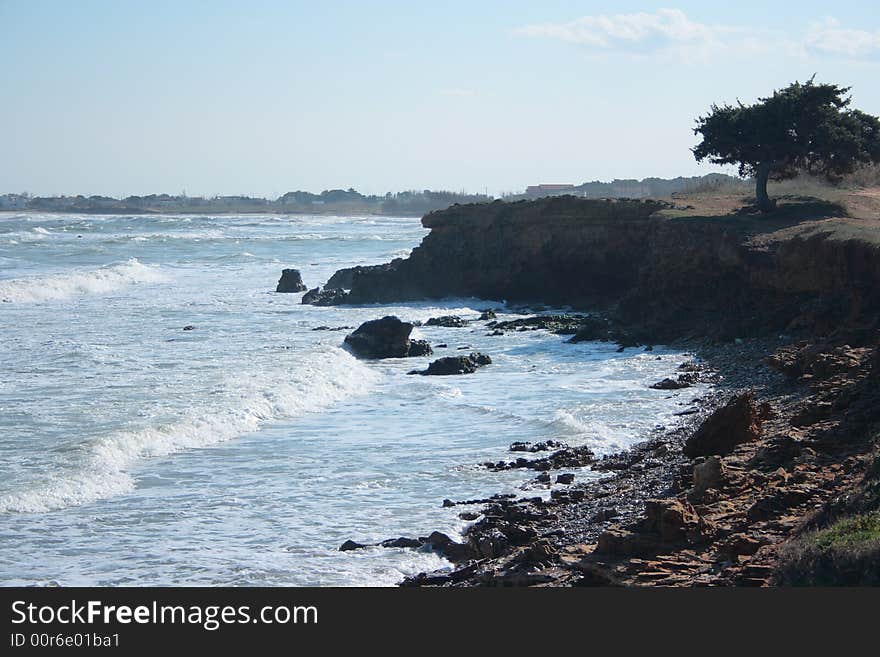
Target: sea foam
{"points": [[59, 287], [249, 400]]}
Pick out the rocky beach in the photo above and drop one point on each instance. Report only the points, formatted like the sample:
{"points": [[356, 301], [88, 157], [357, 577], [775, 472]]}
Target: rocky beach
{"points": [[775, 469]]}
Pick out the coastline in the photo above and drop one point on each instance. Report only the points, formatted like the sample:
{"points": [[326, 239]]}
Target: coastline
{"points": [[784, 314]]}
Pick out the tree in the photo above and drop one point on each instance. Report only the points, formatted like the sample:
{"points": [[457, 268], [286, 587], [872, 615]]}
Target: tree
{"points": [[803, 128]]}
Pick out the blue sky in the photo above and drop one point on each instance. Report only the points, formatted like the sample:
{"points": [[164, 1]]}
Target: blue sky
{"points": [[260, 98]]}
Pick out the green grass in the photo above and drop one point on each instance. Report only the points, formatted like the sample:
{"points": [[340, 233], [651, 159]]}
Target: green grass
{"points": [[853, 533]]}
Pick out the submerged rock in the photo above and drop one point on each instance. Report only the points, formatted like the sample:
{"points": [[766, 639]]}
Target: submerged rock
{"points": [[290, 281], [385, 338], [456, 365]]}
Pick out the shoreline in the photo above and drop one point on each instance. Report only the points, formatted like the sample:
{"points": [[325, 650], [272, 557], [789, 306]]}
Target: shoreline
{"points": [[784, 308], [661, 517]]}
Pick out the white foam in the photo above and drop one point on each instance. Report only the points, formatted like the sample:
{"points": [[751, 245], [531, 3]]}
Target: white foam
{"points": [[58, 287], [250, 400]]}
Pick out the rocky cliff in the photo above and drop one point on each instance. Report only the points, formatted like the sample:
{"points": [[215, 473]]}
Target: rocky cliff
{"points": [[658, 270]]}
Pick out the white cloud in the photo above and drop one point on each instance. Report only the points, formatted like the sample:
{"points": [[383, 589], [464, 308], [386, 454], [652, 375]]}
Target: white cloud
{"points": [[829, 37], [661, 29], [672, 31]]}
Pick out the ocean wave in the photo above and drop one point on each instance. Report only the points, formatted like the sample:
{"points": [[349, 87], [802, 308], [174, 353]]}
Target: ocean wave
{"points": [[251, 400], [58, 287]]}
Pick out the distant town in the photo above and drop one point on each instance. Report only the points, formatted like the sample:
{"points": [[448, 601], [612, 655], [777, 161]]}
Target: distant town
{"points": [[349, 201]]}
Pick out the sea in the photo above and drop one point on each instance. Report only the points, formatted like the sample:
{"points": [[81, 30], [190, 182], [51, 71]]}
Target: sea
{"points": [[245, 450]]}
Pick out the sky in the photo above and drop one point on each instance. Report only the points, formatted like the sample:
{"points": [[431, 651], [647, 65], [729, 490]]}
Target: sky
{"points": [[260, 98]]}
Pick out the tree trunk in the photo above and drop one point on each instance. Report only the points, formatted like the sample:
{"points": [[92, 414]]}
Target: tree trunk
{"points": [[761, 178]]}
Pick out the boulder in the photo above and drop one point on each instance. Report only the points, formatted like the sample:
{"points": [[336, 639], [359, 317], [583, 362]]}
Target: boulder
{"points": [[456, 365], [290, 281], [674, 520], [737, 422], [486, 315], [708, 473], [385, 338]]}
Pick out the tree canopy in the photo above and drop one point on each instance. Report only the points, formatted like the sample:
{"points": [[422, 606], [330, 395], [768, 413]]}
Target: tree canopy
{"points": [[805, 127]]}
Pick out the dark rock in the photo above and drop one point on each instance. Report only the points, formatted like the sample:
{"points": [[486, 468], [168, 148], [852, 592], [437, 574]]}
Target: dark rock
{"points": [[591, 329], [565, 478], [440, 542], [189, 327], [487, 315], [604, 514], [385, 338], [450, 365], [560, 324], [733, 424], [468, 515], [448, 321], [542, 446], [419, 348], [683, 381], [290, 281], [351, 545], [319, 297], [401, 542]]}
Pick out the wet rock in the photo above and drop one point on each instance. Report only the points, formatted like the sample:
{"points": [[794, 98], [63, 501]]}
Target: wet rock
{"points": [[682, 381], [385, 338], [440, 542], [569, 457], [319, 297], [419, 348], [189, 327], [560, 324], [543, 446], [290, 281], [402, 542], [448, 321], [565, 478], [351, 545], [486, 315], [451, 365], [468, 515], [733, 424]]}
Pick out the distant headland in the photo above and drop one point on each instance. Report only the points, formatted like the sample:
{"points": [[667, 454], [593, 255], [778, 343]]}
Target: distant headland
{"points": [[414, 203]]}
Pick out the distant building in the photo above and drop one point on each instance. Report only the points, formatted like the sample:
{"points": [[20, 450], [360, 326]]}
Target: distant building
{"points": [[546, 189]]}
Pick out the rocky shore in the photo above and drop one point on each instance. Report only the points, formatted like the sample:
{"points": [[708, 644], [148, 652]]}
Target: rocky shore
{"points": [[782, 314]]}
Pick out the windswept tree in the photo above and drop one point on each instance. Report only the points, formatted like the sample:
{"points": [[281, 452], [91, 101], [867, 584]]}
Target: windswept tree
{"points": [[803, 128]]}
